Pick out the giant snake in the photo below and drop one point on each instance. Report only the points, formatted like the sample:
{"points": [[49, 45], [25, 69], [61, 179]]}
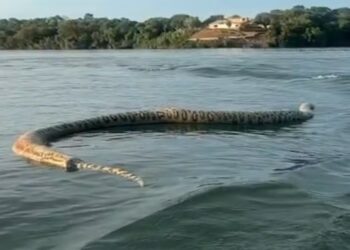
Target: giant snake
{"points": [[35, 145]]}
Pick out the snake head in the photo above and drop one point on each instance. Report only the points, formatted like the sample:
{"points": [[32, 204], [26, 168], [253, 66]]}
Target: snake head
{"points": [[306, 107]]}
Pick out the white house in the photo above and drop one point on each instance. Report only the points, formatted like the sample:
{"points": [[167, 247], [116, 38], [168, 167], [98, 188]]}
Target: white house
{"points": [[219, 24], [233, 23]]}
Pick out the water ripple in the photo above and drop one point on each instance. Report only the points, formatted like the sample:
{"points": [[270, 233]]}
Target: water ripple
{"points": [[301, 200]]}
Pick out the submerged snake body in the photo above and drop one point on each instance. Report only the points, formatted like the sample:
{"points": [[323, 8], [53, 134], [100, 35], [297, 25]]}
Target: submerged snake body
{"points": [[35, 145]]}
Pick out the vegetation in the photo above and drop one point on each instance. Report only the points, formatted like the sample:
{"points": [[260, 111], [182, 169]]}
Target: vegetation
{"points": [[302, 27], [296, 27], [96, 33]]}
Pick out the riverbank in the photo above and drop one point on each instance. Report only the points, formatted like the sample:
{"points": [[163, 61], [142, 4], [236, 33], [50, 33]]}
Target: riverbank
{"points": [[296, 27]]}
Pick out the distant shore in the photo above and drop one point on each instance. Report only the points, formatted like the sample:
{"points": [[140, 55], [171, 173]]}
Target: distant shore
{"points": [[298, 27]]}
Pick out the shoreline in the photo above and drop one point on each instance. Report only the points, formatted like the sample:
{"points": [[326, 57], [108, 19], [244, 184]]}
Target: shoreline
{"points": [[298, 27], [198, 48]]}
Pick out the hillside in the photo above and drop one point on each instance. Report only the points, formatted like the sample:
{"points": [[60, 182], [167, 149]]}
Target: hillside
{"points": [[231, 38]]}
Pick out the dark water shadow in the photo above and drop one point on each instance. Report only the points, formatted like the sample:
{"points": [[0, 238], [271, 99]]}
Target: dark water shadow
{"points": [[266, 129], [257, 216], [302, 159], [239, 71], [298, 164]]}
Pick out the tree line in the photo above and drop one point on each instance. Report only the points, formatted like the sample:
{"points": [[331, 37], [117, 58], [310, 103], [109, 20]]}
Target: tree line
{"points": [[307, 27], [296, 27], [96, 33]]}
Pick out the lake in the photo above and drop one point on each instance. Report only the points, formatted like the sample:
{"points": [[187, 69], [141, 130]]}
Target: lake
{"points": [[281, 187]]}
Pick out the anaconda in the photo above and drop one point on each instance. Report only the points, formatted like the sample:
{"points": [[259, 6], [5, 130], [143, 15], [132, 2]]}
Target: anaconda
{"points": [[35, 145]]}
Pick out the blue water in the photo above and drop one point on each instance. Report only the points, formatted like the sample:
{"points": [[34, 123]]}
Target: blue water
{"points": [[285, 187]]}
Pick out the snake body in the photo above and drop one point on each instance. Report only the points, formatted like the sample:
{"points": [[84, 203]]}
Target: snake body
{"points": [[35, 145]]}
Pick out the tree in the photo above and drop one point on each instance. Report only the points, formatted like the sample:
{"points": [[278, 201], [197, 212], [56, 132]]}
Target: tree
{"points": [[88, 17], [211, 19], [191, 23], [264, 19], [177, 21]]}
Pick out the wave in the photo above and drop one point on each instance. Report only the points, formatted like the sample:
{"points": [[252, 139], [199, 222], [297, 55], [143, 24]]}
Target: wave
{"points": [[253, 216], [157, 68], [239, 71], [329, 76], [260, 71]]}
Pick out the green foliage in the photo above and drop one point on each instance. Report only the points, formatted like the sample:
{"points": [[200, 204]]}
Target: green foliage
{"points": [[306, 27], [264, 19], [296, 27], [211, 19], [97, 33]]}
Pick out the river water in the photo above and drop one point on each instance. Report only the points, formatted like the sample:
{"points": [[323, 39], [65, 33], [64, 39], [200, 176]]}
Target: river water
{"points": [[285, 187]]}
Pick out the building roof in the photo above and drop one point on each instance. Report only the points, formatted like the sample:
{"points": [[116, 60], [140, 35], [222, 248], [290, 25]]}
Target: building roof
{"points": [[224, 21]]}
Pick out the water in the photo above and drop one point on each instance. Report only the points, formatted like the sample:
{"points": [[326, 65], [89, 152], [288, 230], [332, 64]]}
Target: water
{"points": [[285, 187]]}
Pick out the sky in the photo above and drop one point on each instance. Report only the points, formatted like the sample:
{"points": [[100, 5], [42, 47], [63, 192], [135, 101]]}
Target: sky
{"points": [[143, 9]]}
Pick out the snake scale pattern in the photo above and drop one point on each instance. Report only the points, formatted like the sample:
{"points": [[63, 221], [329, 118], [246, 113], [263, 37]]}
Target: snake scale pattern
{"points": [[35, 145]]}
